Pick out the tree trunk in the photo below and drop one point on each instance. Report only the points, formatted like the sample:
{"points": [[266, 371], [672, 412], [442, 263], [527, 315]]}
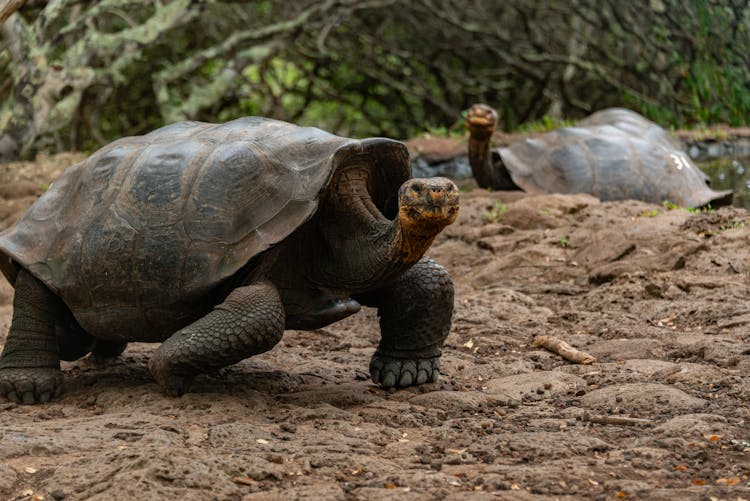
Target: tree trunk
{"points": [[8, 7]]}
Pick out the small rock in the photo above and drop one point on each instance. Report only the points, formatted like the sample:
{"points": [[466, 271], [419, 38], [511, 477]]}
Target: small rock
{"points": [[288, 427]]}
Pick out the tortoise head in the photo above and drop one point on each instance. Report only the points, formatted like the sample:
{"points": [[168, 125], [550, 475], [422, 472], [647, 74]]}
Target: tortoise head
{"points": [[687, 185], [426, 206], [481, 121]]}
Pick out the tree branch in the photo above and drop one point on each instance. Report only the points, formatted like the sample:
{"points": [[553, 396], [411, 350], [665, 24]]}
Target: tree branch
{"points": [[8, 7]]}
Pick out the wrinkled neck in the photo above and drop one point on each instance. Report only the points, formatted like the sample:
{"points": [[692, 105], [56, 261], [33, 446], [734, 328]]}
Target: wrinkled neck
{"points": [[382, 256], [487, 166], [410, 243], [363, 249], [354, 234]]}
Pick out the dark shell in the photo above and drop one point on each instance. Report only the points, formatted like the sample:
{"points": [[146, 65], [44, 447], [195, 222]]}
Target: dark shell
{"points": [[145, 228], [613, 154]]}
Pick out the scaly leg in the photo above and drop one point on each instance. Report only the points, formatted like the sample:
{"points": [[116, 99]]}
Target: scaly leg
{"points": [[415, 318], [248, 322], [30, 362]]}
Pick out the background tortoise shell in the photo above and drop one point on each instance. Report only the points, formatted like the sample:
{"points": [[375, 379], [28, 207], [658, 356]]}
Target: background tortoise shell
{"points": [[613, 154]]}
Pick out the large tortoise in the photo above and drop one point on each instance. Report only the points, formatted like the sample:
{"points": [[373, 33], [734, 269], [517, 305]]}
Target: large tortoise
{"points": [[614, 154], [213, 239]]}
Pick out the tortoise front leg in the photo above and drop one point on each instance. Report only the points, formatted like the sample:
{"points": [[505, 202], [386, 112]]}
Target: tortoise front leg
{"points": [[415, 318], [30, 362], [248, 322]]}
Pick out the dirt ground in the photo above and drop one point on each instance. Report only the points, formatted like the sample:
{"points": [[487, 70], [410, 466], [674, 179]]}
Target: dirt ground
{"points": [[659, 297]]}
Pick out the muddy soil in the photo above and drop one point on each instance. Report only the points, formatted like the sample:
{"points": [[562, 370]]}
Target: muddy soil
{"points": [[659, 297]]}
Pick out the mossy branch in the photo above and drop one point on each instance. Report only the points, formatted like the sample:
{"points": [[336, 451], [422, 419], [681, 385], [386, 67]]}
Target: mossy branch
{"points": [[9, 7]]}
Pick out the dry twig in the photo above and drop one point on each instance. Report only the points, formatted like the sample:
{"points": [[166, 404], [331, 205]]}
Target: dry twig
{"points": [[621, 420], [563, 349]]}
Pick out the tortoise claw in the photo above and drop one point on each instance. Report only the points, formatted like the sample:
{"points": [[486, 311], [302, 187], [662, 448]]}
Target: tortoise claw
{"points": [[174, 381], [175, 386], [398, 372], [30, 385], [13, 397]]}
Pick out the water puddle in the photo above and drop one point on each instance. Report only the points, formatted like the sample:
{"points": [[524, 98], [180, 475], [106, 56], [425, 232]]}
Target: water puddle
{"points": [[730, 174]]}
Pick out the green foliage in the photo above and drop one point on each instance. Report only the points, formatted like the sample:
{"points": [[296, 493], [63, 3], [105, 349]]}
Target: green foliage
{"points": [[669, 205], [703, 132], [701, 210], [495, 213], [545, 124], [734, 225], [712, 70], [369, 68], [650, 213], [563, 242]]}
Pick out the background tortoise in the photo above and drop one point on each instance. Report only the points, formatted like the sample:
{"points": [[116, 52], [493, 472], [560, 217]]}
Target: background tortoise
{"points": [[614, 154], [214, 239]]}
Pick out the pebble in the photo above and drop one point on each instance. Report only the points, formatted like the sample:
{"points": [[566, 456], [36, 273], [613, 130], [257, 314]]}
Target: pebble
{"points": [[288, 427]]}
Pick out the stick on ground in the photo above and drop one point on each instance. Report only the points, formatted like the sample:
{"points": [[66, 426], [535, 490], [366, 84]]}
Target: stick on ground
{"points": [[563, 349], [621, 420]]}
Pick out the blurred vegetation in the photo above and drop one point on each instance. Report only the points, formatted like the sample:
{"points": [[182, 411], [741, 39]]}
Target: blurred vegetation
{"points": [[75, 74]]}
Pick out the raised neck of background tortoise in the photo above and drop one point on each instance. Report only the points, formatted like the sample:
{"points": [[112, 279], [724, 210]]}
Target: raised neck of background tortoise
{"points": [[480, 158], [359, 260], [487, 165]]}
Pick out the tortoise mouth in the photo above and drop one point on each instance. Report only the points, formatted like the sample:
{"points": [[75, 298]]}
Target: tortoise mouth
{"points": [[478, 121], [432, 213], [481, 116], [710, 198]]}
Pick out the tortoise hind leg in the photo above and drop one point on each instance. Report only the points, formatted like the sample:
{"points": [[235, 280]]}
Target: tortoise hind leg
{"points": [[415, 318], [108, 349], [76, 343], [249, 321], [73, 341], [30, 361]]}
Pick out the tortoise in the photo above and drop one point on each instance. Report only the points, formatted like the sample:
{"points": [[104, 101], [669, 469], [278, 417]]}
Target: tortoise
{"points": [[613, 154], [213, 239]]}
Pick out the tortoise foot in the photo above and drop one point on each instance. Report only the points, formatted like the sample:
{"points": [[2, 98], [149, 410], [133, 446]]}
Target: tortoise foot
{"points": [[174, 381], [30, 385], [399, 372]]}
